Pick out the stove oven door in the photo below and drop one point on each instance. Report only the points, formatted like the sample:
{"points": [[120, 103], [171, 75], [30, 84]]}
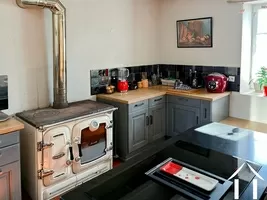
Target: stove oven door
{"points": [[56, 155], [92, 142]]}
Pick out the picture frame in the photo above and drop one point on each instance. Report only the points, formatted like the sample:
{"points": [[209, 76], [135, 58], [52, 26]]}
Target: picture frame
{"points": [[195, 33]]}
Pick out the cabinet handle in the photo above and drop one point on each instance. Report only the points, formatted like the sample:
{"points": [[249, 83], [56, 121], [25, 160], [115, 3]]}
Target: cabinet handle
{"points": [[197, 119], [137, 105], [71, 153], [147, 120], [80, 150], [151, 119], [205, 112], [157, 99]]}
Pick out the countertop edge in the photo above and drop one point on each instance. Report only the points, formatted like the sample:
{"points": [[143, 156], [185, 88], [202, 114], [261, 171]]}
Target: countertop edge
{"points": [[10, 126], [160, 93]]}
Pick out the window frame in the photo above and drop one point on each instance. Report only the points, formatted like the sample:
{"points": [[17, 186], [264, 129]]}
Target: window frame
{"points": [[254, 23]]}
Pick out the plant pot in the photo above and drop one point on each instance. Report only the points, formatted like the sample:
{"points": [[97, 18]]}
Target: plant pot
{"points": [[257, 87], [265, 90]]}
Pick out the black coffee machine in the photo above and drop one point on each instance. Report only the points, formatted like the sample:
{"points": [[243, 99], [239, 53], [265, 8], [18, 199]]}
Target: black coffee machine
{"points": [[114, 78], [195, 79], [132, 81]]}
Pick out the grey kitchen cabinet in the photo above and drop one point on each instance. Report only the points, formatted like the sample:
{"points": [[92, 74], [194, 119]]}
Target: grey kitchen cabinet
{"points": [[182, 118], [10, 167], [10, 181], [157, 117], [143, 123], [138, 130], [184, 113], [137, 125]]}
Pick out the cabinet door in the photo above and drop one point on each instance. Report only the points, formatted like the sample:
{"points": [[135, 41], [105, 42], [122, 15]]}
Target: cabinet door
{"points": [[157, 122], [138, 129], [10, 182], [205, 112], [181, 118]]}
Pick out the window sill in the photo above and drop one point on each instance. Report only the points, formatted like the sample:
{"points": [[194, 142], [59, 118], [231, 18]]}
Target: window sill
{"points": [[254, 94]]}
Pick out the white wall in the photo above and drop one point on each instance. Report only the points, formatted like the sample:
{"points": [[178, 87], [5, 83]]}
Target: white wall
{"points": [[22, 56], [227, 22], [100, 34], [227, 32], [248, 107], [105, 34]]}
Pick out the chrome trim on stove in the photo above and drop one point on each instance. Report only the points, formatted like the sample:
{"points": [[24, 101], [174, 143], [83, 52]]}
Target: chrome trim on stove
{"points": [[58, 156], [41, 146], [78, 118]]}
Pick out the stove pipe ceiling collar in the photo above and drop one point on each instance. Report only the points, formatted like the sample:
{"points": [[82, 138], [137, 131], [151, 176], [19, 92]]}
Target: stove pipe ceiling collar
{"points": [[59, 46]]}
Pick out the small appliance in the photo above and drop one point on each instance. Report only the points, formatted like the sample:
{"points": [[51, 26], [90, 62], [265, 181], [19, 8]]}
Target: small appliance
{"points": [[216, 83], [132, 82], [122, 85], [195, 79], [114, 78]]}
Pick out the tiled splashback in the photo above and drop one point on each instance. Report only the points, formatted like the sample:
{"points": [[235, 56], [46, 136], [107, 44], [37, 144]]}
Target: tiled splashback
{"points": [[181, 72]]}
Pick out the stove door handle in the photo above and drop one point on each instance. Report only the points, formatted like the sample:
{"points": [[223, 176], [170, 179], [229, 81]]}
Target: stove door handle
{"points": [[71, 153], [80, 150]]}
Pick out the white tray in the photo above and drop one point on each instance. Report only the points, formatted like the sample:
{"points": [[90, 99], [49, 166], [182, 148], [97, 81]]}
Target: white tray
{"points": [[190, 176]]}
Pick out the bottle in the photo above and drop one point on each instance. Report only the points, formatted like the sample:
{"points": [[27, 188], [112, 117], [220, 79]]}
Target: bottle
{"points": [[195, 81], [189, 82]]}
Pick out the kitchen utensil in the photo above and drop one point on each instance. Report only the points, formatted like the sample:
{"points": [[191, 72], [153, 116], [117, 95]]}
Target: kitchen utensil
{"points": [[144, 75]]}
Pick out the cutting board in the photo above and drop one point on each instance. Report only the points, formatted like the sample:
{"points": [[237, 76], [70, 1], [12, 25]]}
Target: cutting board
{"points": [[184, 91]]}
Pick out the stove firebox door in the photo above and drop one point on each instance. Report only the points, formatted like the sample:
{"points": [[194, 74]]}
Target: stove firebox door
{"points": [[55, 155], [92, 142]]}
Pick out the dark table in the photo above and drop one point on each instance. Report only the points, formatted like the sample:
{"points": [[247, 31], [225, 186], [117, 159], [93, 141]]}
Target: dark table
{"points": [[127, 181]]}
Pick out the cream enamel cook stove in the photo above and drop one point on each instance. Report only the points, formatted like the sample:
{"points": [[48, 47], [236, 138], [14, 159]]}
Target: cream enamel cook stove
{"points": [[63, 148]]}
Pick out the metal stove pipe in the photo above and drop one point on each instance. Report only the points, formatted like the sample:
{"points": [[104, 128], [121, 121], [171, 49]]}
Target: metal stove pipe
{"points": [[59, 46]]}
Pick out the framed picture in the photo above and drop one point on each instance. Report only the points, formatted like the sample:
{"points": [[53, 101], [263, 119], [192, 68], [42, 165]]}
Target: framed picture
{"points": [[194, 33]]}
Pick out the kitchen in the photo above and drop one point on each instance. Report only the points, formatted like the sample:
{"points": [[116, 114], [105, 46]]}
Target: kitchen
{"points": [[137, 43]]}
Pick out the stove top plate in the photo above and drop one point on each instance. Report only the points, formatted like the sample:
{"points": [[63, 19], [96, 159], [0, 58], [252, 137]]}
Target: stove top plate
{"points": [[46, 116]]}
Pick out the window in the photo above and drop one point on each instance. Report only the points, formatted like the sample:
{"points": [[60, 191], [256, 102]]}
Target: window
{"points": [[259, 38]]}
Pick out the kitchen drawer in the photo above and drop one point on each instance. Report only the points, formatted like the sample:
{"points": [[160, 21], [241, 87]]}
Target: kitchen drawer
{"points": [[9, 154], [138, 106], [184, 101], [156, 101], [9, 139]]}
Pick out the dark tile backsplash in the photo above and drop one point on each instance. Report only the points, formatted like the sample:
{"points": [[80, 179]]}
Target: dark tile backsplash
{"points": [[174, 71]]}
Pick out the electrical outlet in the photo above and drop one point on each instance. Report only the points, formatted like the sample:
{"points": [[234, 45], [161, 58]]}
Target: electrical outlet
{"points": [[231, 78]]}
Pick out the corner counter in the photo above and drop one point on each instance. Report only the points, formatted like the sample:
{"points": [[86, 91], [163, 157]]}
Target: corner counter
{"points": [[133, 96], [148, 114]]}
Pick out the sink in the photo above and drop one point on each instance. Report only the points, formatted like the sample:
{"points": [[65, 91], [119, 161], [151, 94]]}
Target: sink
{"points": [[224, 131]]}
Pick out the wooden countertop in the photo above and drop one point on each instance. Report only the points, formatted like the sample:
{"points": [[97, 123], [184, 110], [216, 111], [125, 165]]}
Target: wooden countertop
{"points": [[134, 96], [242, 123], [10, 125]]}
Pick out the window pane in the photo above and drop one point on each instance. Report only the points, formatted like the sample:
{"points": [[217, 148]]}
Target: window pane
{"points": [[262, 21], [259, 56]]}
